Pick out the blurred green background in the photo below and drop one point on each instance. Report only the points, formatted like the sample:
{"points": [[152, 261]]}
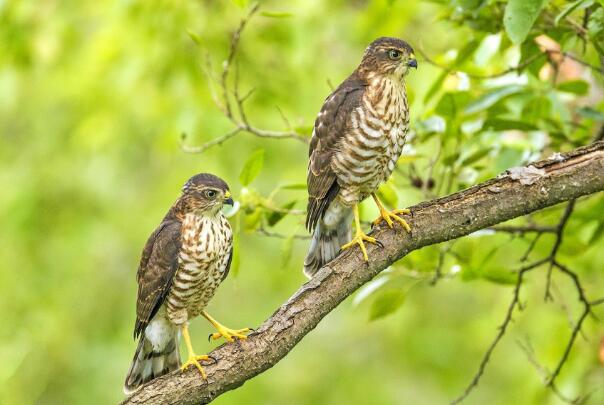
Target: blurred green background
{"points": [[94, 96]]}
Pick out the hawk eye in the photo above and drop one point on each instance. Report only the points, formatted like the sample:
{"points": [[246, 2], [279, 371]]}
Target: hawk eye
{"points": [[394, 54], [210, 194]]}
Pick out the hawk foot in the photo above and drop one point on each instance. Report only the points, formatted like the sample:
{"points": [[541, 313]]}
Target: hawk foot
{"points": [[194, 360], [388, 216], [360, 240], [229, 334]]}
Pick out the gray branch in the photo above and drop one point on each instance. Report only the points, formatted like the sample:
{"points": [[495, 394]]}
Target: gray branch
{"points": [[516, 193]]}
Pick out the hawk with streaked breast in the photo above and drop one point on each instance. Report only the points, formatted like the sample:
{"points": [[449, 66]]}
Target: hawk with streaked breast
{"points": [[182, 264], [357, 139]]}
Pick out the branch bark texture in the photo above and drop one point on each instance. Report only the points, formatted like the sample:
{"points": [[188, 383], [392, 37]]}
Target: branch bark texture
{"points": [[517, 192]]}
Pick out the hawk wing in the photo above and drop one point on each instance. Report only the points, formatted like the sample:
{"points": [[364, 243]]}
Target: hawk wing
{"points": [[228, 265], [330, 126], [156, 270]]}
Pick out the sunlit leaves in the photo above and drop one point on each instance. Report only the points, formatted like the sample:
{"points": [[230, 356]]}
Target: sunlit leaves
{"points": [[386, 303], [275, 216], [251, 168], [195, 37], [572, 6], [591, 113], [579, 87], [498, 124], [489, 99], [276, 14], [519, 17]]}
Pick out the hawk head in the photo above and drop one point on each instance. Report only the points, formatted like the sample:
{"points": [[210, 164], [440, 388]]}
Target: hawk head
{"points": [[387, 56], [204, 193]]}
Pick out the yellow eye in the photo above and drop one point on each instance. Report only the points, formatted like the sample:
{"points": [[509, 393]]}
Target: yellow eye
{"points": [[394, 54]]}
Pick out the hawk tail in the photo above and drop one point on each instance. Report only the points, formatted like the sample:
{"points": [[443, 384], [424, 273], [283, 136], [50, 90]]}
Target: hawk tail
{"points": [[152, 359], [325, 244]]}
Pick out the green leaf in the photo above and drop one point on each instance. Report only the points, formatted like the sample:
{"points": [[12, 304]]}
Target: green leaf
{"points": [[498, 124], [595, 26], [276, 14], [436, 86], [499, 275], [252, 167], [388, 194], [519, 17], [251, 220], [241, 3], [294, 186], [579, 87], [452, 103], [489, 99], [591, 113], [537, 108], [588, 231], [286, 250], [196, 38], [386, 303], [569, 8], [450, 159], [275, 216], [476, 156]]}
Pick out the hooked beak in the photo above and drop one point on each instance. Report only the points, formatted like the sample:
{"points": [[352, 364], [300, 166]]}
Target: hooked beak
{"points": [[412, 63], [227, 198]]}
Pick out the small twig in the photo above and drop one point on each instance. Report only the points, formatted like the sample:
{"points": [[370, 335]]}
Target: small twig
{"points": [[511, 69], [271, 234], [240, 123], [524, 229], [501, 331], [577, 328]]}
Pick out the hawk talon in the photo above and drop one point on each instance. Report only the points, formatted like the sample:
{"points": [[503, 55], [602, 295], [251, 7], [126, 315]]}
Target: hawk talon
{"points": [[194, 360], [388, 216], [230, 335], [360, 240]]}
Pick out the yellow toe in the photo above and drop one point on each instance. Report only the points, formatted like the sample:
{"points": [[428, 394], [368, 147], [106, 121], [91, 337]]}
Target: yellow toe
{"points": [[194, 361]]}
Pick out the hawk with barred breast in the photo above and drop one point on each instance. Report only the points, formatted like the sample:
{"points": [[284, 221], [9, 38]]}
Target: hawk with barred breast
{"points": [[182, 264], [357, 139]]}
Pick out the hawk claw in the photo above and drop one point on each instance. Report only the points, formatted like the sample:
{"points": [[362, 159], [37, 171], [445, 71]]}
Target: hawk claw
{"points": [[388, 217], [360, 240], [194, 360], [230, 335]]}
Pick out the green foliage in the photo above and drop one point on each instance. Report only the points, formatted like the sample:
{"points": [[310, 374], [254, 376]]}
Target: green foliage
{"points": [[386, 303], [251, 168], [519, 17]]}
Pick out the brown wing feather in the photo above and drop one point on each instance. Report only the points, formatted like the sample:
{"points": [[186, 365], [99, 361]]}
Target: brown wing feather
{"points": [[330, 126], [156, 270]]}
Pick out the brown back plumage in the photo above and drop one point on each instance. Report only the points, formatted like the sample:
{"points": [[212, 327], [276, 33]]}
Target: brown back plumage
{"points": [[330, 126]]}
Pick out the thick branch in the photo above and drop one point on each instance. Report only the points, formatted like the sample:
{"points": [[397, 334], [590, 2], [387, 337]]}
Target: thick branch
{"points": [[547, 183]]}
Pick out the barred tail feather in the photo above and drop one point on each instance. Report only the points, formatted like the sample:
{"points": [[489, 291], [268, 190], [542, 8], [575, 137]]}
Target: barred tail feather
{"points": [[325, 244], [156, 355]]}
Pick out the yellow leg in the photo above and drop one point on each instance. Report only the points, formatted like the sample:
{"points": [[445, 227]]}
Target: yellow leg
{"points": [[360, 237], [388, 216], [229, 334], [193, 359]]}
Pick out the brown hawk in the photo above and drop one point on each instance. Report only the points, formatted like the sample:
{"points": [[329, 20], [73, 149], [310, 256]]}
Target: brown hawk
{"points": [[357, 139], [182, 264]]}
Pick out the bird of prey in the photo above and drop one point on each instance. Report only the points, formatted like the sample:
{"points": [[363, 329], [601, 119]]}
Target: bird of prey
{"points": [[357, 139], [182, 264]]}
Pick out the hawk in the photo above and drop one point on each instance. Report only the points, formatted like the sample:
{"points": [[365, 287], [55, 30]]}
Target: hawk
{"points": [[182, 264], [357, 139]]}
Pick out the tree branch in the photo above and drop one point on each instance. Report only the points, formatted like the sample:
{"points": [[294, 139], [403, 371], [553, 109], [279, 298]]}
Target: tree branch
{"points": [[549, 182]]}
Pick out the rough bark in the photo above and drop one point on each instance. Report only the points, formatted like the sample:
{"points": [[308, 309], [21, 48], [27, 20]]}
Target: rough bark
{"points": [[517, 192]]}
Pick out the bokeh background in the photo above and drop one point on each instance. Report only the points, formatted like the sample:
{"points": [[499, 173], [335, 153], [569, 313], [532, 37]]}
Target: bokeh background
{"points": [[94, 97]]}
